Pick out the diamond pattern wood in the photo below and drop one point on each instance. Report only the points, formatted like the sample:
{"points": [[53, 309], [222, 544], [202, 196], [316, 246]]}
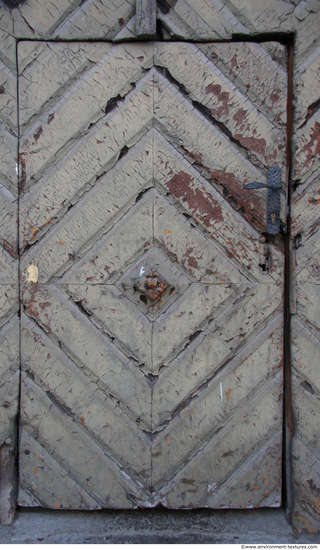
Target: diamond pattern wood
{"points": [[191, 20], [123, 399]]}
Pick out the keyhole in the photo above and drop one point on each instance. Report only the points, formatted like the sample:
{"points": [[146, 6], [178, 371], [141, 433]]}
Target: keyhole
{"points": [[273, 218]]}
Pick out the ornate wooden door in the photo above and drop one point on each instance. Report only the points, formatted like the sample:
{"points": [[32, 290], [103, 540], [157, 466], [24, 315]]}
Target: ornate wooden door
{"points": [[152, 296]]}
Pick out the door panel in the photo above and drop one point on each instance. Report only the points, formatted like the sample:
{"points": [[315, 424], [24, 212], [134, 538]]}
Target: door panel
{"points": [[152, 322]]}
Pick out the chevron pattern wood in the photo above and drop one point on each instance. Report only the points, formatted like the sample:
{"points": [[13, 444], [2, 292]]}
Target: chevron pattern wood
{"points": [[306, 244], [191, 20], [126, 169], [9, 276]]}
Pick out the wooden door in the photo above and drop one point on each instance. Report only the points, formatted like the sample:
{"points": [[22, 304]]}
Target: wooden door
{"points": [[152, 296]]}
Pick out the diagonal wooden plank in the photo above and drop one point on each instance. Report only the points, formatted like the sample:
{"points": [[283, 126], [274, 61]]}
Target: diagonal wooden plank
{"points": [[307, 83], [85, 401], [8, 222], [85, 102], [191, 371], [306, 354], [186, 318], [8, 98], [199, 257], [40, 471], [306, 401], [9, 393], [111, 312], [91, 349], [307, 139], [197, 20], [91, 217], [9, 349], [242, 62], [60, 67], [97, 19], [30, 22], [306, 210], [8, 268], [207, 87], [224, 395], [306, 482], [308, 299], [216, 216], [240, 438], [8, 147], [259, 479], [219, 160], [308, 260], [42, 146], [97, 152], [47, 439], [9, 302], [111, 256]]}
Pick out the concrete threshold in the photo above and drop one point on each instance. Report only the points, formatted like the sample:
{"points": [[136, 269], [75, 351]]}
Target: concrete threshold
{"points": [[157, 526]]}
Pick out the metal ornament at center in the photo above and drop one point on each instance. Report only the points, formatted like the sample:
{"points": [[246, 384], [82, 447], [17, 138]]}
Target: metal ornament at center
{"points": [[152, 285]]}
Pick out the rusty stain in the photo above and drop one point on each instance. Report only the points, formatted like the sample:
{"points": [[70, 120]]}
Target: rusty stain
{"points": [[8, 247], [82, 421], [200, 203], [152, 285], [228, 395]]}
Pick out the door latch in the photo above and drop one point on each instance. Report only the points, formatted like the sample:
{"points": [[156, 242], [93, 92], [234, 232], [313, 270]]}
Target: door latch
{"points": [[274, 189]]}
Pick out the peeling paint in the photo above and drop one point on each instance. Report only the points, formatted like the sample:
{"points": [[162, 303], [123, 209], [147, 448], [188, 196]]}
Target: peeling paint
{"points": [[32, 274]]}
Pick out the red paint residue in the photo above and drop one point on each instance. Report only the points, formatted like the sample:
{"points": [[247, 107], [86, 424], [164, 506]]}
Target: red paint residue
{"points": [[223, 98], [312, 148], [201, 204], [274, 97], [240, 116], [252, 144]]}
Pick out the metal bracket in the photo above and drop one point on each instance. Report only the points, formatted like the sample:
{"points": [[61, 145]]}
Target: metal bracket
{"points": [[273, 207]]}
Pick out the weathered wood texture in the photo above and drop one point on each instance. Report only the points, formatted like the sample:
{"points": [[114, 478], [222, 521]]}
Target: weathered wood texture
{"points": [[306, 297], [201, 19], [135, 158], [145, 18], [9, 304]]}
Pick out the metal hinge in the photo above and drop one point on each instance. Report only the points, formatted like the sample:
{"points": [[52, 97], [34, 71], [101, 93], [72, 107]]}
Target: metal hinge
{"points": [[274, 190]]}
